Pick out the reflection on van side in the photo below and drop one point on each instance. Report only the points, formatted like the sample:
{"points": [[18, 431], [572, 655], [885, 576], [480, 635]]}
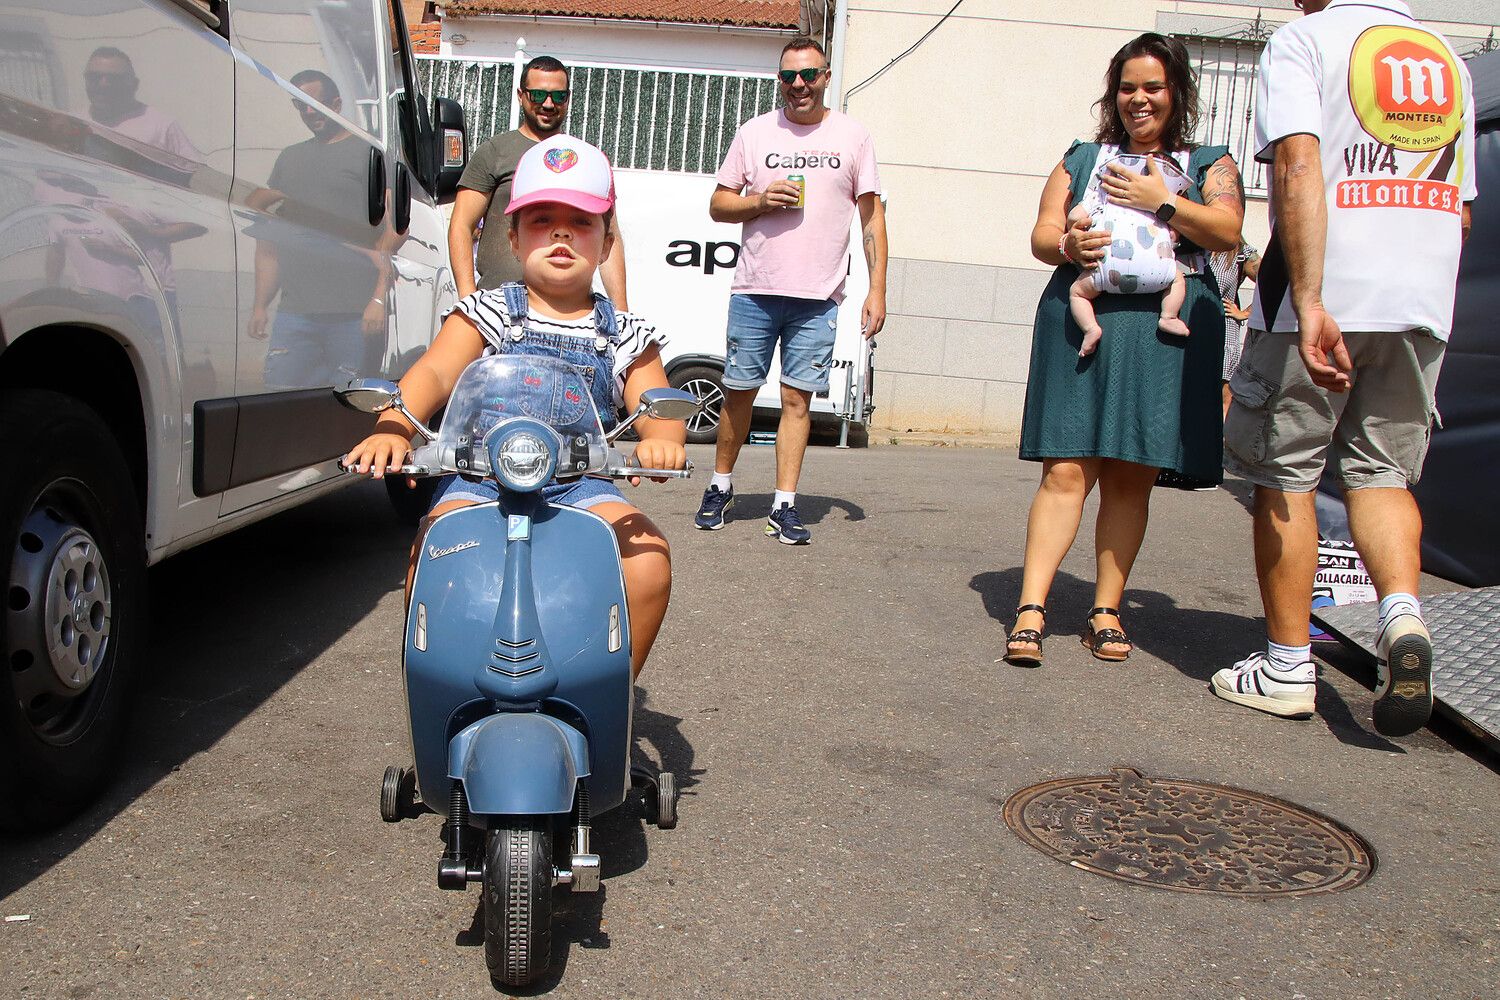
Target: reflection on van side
{"points": [[206, 220]]}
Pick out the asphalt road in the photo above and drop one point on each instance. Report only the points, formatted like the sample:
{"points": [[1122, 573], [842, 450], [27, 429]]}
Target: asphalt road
{"points": [[845, 740]]}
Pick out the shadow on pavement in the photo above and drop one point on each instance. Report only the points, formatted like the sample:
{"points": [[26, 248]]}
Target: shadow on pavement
{"points": [[1194, 641], [1242, 491], [664, 733], [813, 508], [231, 621]]}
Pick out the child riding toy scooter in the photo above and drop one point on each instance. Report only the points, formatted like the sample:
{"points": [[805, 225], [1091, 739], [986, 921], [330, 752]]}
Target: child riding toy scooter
{"points": [[517, 650]]}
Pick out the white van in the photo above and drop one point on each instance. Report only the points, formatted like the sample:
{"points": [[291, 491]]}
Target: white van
{"points": [[210, 212], [680, 263]]}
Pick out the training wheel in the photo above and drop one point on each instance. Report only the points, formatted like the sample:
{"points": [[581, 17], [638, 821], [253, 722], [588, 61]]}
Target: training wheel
{"points": [[396, 790], [666, 801]]}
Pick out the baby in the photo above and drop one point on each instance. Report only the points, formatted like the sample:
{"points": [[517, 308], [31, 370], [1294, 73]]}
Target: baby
{"points": [[1141, 258]]}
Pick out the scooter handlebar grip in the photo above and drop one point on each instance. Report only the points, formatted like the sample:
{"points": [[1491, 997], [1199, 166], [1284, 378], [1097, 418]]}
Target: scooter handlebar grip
{"points": [[405, 470], [629, 471]]}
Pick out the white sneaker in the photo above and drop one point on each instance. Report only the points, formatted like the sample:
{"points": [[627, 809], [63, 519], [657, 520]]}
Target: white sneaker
{"points": [[1403, 696], [1255, 683]]}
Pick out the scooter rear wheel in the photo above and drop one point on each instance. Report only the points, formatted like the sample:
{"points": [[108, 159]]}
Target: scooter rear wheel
{"points": [[518, 900]]}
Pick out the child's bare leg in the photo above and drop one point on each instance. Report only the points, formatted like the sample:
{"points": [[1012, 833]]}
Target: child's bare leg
{"points": [[1081, 298], [1171, 306], [647, 562], [416, 545]]}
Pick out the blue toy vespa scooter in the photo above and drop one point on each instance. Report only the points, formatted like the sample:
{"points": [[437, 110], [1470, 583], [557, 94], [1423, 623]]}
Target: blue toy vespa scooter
{"points": [[517, 652]]}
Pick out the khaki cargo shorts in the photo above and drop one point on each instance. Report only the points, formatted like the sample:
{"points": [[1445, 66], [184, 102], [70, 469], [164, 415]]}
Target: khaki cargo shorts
{"points": [[1282, 428]]}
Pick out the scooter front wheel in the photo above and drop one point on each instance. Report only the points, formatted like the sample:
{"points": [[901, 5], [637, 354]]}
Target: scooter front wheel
{"points": [[518, 899]]}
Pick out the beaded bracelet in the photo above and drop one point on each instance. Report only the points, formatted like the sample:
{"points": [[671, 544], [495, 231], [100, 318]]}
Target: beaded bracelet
{"points": [[1062, 248]]}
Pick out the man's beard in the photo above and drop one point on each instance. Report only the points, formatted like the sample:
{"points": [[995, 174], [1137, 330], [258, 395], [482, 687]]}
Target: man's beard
{"points": [[540, 129]]}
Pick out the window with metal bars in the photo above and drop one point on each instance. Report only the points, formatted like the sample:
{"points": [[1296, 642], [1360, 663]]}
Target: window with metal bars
{"points": [[1227, 70], [26, 69], [647, 119]]}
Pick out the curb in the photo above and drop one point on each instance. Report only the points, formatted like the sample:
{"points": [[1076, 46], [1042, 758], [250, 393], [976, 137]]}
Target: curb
{"points": [[881, 437]]}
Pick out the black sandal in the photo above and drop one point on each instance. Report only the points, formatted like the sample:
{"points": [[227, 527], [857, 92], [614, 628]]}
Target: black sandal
{"points": [[1025, 657], [1105, 637]]}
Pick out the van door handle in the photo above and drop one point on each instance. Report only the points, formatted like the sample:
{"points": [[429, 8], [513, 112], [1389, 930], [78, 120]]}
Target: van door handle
{"points": [[402, 197], [377, 186], [208, 18]]}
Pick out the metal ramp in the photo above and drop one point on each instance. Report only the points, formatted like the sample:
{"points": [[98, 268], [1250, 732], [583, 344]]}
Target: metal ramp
{"points": [[1465, 628]]}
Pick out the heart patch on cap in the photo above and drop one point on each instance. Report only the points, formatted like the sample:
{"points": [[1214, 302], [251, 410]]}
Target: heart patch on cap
{"points": [[558, 160]]}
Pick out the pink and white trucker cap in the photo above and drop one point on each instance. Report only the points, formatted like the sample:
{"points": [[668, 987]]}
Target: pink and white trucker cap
{"points": [[563, 169]]}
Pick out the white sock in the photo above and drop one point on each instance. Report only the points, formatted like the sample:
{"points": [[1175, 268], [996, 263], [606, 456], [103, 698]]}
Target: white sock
{"points": [[784, 499], [1397, 604], [1287, 658], [721, 480]]}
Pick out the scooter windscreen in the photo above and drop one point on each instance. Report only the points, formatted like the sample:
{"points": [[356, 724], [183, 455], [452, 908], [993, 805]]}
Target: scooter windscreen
{"points": [[501, 387]]}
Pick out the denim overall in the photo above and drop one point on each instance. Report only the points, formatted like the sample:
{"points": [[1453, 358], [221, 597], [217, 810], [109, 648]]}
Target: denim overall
{"points": [[596, 362]]}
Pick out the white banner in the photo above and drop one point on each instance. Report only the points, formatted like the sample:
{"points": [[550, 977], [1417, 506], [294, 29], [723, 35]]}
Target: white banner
{"points": [[680, 263]]}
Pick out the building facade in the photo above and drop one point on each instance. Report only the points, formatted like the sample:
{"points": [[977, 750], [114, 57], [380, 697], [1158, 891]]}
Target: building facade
{"points": [[969, 124], [971, 106]]}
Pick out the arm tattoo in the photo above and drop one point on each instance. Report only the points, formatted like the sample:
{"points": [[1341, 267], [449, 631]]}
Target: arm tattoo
{"points": [[1224, 184], [869, 243]]}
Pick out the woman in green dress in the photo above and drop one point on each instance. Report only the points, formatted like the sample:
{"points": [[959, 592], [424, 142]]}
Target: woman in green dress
{"points": [[1144, 400]]}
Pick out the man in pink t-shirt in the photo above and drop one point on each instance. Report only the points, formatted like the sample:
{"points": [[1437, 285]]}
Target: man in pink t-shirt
{"points": [[793, 177]]}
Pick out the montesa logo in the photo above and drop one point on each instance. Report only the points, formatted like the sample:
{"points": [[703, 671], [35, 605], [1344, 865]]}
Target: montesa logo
{"points": [[1406, 88], [804, 160], [1414, 81]]}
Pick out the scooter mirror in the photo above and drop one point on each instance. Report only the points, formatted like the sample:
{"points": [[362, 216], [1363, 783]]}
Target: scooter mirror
{"points": [[670, 404], [369, 395]]}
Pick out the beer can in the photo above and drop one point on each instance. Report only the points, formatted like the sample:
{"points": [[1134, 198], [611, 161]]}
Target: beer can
{"points": [[801, 183]]}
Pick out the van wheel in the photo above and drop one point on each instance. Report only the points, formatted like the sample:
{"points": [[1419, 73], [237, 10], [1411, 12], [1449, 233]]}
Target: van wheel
{"points": [[707, 384], [74, 563]]}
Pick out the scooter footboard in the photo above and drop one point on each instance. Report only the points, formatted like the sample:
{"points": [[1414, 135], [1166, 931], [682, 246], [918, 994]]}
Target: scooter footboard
{"points": [[519, 764]]}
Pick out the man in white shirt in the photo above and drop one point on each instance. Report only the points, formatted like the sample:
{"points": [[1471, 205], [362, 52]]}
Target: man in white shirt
{"points": [[1368, 120]]}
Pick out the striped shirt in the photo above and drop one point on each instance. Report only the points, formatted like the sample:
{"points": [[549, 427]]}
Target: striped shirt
{"points": [[486, 308]]}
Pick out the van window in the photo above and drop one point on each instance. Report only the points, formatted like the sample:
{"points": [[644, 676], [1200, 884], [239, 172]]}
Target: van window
{"points": [[407, 111], [334, 37]]}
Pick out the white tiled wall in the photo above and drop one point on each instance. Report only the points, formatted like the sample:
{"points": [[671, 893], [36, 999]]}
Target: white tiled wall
{"points": [[956, 347]]}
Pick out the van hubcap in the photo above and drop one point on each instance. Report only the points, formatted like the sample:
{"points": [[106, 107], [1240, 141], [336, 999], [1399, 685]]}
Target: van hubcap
{"points": [[58, 612]]}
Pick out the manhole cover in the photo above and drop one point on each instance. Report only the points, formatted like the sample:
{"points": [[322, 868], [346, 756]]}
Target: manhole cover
{"points": [[1189, 836]]}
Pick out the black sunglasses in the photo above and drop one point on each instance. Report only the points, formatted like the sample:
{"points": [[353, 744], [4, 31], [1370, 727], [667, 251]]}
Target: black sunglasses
{"points": [[808, 75], [540, 96]]}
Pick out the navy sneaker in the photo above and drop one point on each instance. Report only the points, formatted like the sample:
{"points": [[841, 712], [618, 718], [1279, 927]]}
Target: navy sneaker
{"points": [[785, 525], [711, 510]]}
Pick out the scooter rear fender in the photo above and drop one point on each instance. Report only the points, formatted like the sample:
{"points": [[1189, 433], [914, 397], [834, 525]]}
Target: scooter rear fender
{"points": [[519, 764]]}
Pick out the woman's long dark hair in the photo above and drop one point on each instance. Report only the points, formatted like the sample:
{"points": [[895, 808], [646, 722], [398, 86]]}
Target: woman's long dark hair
{"points": [[1181, 78]]}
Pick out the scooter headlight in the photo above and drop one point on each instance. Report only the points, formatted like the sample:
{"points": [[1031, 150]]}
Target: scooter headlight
{"points": [[523, 457]]}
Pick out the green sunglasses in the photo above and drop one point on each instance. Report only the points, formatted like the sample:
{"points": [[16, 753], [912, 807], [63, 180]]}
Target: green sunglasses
{"points": [[808, 75], [540, 96]]}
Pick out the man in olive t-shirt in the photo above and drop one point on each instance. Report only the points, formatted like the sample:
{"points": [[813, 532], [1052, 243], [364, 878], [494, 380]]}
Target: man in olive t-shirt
{"points": [[484, 189], [317, 252]]}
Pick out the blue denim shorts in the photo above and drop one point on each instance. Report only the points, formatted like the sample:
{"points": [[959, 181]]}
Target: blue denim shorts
{"points": [[313, 351], [581, 493], [803, 327]]}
